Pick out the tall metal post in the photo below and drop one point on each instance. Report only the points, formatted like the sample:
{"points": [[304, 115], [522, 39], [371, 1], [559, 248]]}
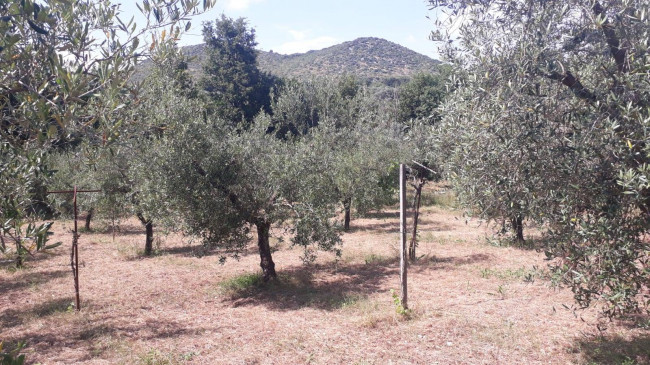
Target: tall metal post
{"points": [[74, 260], [403, 262]]}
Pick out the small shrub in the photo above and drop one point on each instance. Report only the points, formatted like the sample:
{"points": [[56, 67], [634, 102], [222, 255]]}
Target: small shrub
{"points": [[374, 259], [12, 357], [399, 308]]}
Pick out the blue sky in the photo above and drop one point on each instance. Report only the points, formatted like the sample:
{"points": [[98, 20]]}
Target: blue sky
{"points": [[292, 26]]}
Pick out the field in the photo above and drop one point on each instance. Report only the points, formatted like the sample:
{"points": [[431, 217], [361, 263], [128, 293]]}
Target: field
{"points": [[471, 302]]}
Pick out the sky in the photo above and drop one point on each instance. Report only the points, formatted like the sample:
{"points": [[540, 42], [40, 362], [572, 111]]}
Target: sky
{"points": [[297, 26]]}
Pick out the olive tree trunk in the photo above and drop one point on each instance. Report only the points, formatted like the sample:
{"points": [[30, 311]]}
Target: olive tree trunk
{"points": [[347, 203], [89, 217], [148, 225], [518, 228], [266, 261]]}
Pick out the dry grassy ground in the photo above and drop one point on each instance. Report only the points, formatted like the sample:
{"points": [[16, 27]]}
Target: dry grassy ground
{"points": [[472, 303]]}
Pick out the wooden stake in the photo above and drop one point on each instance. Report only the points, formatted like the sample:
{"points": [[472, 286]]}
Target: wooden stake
{"points": [[403, 262], [74, 252]]}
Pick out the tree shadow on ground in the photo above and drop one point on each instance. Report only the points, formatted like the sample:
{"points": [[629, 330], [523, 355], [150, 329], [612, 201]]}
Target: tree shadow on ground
{"points": [[531, 243], [426, 225], [26, 278], [12, 317], [328, 287], [384, 227], [612, 349], [199, 251], [447, 263], [89, 337], [120, 230], [381, 215]]}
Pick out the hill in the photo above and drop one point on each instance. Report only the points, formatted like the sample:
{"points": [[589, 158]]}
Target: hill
{"points": [[367, 58]]}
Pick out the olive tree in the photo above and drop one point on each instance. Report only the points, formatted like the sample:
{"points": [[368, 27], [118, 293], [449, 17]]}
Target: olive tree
{"points": [[225, 182], [347, 124], [64, 68], [552, 125], [419, 98]]}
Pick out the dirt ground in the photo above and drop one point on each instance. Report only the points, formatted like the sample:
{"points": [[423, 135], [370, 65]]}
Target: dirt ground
{"points": [[471, 303]]}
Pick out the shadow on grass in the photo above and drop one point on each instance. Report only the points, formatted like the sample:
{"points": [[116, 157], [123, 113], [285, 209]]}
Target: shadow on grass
{"points": [[201, 251], [87, 338], [615, 350], [534, 243], [120, 230], [426, 225], [11, 317], [381, 215], [22, 279], [328, 287], [298, 288], [445, 263]]}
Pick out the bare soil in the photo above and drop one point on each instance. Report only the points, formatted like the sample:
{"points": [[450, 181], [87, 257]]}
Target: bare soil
{"points": [[471, 303]]}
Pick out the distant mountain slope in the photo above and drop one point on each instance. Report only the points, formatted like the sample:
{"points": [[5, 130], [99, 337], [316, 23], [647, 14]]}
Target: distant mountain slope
{"points": [[368, 58]]}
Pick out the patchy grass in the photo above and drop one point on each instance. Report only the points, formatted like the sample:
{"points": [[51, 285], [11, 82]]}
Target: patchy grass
{"points": [[375, 259], [241, 285], [615, 349], [156, 357], [521, 273]]}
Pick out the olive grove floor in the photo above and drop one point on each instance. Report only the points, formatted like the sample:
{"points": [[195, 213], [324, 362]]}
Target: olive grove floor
{"points": [[472, 303]]}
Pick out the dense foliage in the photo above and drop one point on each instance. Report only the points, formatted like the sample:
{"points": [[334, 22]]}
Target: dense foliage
{"points": [[551, 125], [64, 71], [237, 90]]}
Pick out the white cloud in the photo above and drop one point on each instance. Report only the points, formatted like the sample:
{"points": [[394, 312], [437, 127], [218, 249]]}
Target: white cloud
{"points": [[303, 41], [240, 4], [304, 45], [298, 35]]}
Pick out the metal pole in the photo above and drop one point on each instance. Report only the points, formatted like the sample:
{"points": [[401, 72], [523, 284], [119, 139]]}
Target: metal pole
{"points": [[75, 253], [402, 228]]}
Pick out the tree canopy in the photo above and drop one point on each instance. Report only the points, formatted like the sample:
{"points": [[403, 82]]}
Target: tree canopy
{"points": [[65, 70], [551, 124], [237, 90]]}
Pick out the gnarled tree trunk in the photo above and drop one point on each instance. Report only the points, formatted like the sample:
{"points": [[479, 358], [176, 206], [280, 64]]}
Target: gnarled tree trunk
{"points": [[19, 253], [89, 217], [518, 228], [148, 225], [347, 204], [266, 261]]}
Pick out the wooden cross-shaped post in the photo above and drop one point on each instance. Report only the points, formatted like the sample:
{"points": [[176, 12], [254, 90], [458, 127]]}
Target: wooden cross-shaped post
{"points": [[74, 253]]}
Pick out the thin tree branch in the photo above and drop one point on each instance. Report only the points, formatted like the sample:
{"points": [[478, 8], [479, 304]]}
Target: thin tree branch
{"points": [[619, 53]]}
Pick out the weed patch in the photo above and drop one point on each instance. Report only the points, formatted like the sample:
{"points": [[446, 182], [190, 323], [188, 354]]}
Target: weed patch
{"points": [[522, 273], [374, 259], [242, 285], [155, 357]]}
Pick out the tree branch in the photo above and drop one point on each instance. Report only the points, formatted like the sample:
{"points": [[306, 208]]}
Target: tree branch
{"points": [[574, 85], [619, 53]]}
